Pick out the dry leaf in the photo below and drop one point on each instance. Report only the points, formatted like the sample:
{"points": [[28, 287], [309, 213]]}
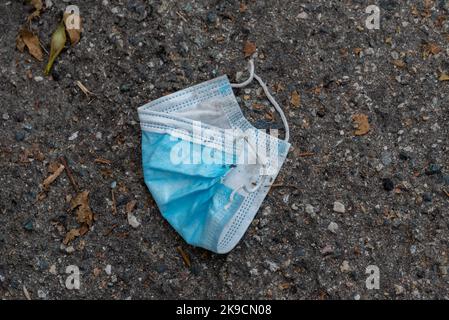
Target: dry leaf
{"points": [[71, 235], [399, 63], [84, 214], [72, 22], [249, 49], [243, 7], [37, 4], [130, 206], [184, 256], [51, 178], [295, 99], [444, 77], [361, 123], [83, 88], [26, 38], [358, 51], [430, 48]]}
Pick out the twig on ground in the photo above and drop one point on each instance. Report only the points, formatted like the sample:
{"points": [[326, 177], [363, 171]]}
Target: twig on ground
{"points": [[69, 173]]}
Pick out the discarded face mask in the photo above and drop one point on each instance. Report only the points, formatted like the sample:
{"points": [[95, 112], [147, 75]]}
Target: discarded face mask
{"points": [[206, 166]]}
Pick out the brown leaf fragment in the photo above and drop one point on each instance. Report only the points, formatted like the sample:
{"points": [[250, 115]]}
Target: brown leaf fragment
{"points": [[430, 49], [83, 229], [102, 161], [357, 51], [51, 178], [399, 63], [130, 206], [185, 256], [84, 214], [249, 49], [295, 99], [37, 4], [71, 235], [28, 39], [361, 124], [72, 22]]}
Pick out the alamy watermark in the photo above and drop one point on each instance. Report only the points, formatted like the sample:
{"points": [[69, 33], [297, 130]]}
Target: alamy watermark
{"points": [[202, 145]]}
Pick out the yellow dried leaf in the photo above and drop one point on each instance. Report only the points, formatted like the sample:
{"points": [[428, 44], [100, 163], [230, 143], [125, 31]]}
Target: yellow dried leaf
{"points": [[58, 40], [361, 123], [444, 77], [249, 49], [295, 99], [26, 38]]}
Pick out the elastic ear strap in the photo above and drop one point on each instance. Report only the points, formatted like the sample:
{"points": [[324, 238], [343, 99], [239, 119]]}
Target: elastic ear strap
{"points": [[252, 75]]}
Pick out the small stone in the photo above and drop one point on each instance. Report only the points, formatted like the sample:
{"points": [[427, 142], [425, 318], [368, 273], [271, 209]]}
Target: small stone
{"points": [[339, 207], [427, 197], [20, 136], [386, 158], [267, 211], [28, 225], [345, 266], [395, 55], [295, 206], [38, 78], [74, 136], [357, 297], [272, 266], [310, 209], [108, 269], [212, 17], [98, 136], [413, 249], [328, 249], [132, 220], [254, 272], [70, 249], [332, 227], [125, 87], [303, 15], [399, 290], [52, 269], [5, 116], [433, 169], [41, 294], [48, 4], [388, 184], [113, 184]]}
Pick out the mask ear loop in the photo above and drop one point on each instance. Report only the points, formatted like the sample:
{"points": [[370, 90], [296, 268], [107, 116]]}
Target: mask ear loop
{"points": [[253, 75]]}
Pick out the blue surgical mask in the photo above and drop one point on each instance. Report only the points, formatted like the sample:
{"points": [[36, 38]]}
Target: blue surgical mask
{"points": [[206, 166]]}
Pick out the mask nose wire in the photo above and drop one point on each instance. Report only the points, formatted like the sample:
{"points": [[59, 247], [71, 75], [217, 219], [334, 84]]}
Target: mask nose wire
{"points": [[253, 75]]}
